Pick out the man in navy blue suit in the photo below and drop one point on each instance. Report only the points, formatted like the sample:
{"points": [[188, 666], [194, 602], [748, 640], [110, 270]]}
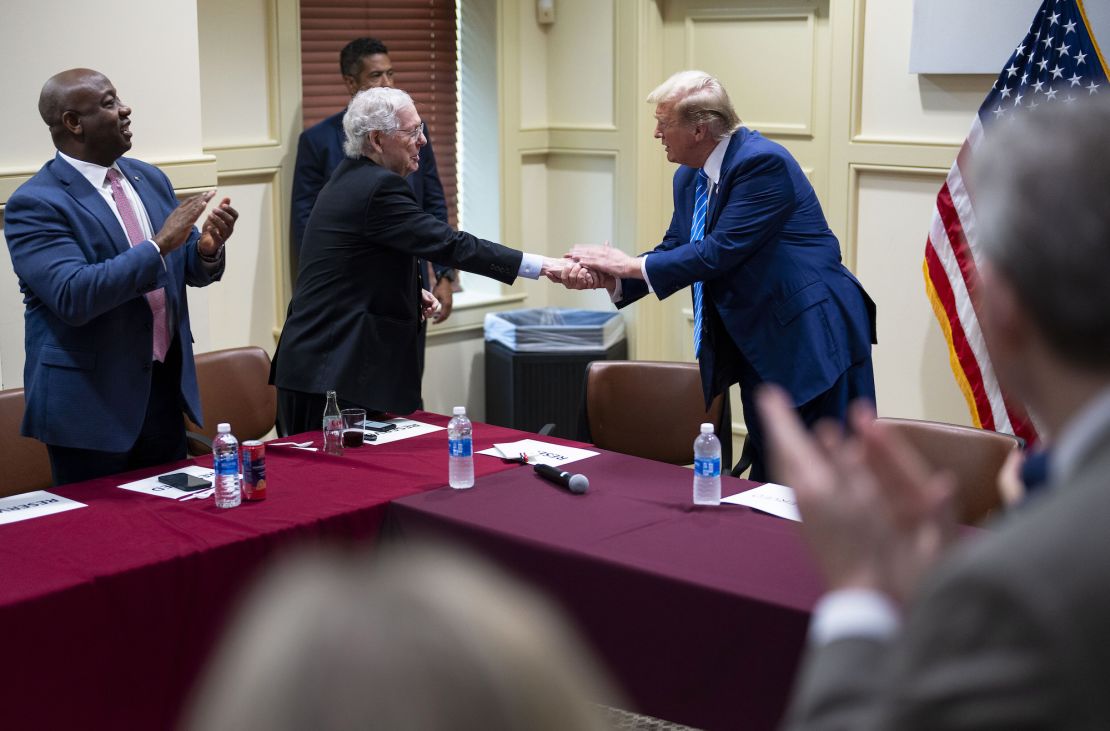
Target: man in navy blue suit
{"points": [[772, 300], [364, 64], [103, 253]]}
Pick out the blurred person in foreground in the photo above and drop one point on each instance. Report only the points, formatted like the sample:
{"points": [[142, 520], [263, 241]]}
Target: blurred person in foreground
{"points": [[420, 640], [358, 309], [772, 300], [1007, 630]]}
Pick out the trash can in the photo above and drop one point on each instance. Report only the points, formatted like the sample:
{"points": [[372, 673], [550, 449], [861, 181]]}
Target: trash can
{"points": [[536, 364]]}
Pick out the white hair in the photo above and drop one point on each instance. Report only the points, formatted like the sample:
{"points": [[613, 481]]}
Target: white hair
{"points": [[372, 110]]}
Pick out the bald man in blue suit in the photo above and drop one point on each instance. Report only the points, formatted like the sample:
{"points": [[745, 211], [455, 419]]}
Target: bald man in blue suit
{"points": [[775, 302], [103, 252]]}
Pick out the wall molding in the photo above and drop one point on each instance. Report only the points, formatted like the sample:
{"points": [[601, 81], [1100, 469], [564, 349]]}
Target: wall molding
{"points": [[851, 246], [802, 11], [185, 174]]}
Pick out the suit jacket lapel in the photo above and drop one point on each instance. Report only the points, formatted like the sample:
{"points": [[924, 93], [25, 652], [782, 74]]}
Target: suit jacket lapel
{"points": [[79, 188], [155, 207]]}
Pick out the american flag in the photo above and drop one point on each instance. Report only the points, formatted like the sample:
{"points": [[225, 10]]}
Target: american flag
{"points": [[1057, 62]]}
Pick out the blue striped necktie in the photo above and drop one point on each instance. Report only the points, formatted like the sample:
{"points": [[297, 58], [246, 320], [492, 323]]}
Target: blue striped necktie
{"points": [[697, 233]]}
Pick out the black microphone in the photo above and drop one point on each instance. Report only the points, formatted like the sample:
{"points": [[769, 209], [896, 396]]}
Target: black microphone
{"points": [[575, 483]]}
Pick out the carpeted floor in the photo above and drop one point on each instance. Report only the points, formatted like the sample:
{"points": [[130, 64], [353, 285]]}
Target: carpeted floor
{"points": [[619, 720]]}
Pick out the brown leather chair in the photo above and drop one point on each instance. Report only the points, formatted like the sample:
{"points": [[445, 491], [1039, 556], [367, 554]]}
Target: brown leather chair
{"points": [[24, 464], [234, 387], [652, 409], [973, 456]]}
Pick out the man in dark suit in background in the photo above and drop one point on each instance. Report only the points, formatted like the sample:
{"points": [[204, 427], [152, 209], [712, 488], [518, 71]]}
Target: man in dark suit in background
{"points": [[365, 64], [103, 253], [1008, 630], [772, 300], [357, 312]]}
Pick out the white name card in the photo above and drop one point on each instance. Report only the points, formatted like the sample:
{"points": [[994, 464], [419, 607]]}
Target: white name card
{"points": [[769, 498], [538, 452], [34, 505]]}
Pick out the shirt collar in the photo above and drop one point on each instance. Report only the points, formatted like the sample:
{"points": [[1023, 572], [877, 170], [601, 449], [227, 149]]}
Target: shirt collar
{"points": [[1082, 434], [90, 171], [712, 166]]}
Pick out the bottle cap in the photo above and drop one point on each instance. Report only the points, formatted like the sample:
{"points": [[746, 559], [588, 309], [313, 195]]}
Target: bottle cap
{"points": [[707, 428], [459, 411], [224, 428]]}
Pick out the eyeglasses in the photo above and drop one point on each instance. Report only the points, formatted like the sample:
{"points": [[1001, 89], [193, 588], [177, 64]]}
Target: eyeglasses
{"points": [[414, 133]]}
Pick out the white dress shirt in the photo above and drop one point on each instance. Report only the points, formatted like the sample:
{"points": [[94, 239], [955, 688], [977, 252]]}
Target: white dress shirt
{"points": [[97, 175], [530, 266], [712, 170]]}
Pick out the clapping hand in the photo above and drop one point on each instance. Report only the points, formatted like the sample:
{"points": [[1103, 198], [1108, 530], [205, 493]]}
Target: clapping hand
{"points": [[179, 224], [874, 515], [217, 228]]}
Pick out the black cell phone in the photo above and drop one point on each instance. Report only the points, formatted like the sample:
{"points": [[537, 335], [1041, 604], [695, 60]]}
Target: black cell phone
{"points": [[184, 481], [378, 425]]}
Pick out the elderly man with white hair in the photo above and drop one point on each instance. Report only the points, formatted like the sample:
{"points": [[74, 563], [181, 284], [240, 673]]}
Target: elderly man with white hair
{"points": [[354, 322]]}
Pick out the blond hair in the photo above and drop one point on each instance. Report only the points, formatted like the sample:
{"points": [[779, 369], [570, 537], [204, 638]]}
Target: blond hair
{"points": [[698, 98], [405, 640]]}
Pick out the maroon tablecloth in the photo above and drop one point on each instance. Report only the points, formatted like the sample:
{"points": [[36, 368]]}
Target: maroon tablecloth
{"points": [[700, 613], [107, 612]]}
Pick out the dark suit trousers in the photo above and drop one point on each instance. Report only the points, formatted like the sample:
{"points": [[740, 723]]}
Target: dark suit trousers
{"points": [[855, 383], [161, 439]]}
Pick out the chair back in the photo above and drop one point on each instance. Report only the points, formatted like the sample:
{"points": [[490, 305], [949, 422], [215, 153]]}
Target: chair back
{"points": [[652, 409], [973, 456], [234, 387], [24, 463]]}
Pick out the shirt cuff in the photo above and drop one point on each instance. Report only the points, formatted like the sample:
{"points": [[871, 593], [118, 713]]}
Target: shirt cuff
{"points": [[618, 292], [853, 613], [214, 259], [160, 257], [643, 270], [530, 266]]}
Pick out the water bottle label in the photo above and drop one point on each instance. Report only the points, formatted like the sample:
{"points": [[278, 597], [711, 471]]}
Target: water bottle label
{"points": [[460, 447], [707, 466], [227, 464]]}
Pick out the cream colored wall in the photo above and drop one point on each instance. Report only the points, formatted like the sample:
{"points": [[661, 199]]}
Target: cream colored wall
{"points": [[826, 78], [221, 108], [569, 132], [215, 98]]}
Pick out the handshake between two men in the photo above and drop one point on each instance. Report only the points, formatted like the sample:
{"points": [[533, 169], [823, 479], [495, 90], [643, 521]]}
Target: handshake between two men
{"points": [[594, 267], [584, 267]]}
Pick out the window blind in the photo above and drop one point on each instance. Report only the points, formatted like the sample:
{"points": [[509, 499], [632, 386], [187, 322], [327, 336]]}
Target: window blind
{"points": [[421, 38]]}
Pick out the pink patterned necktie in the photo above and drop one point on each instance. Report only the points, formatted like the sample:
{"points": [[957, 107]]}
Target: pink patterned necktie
{"points": [[155, 298]]}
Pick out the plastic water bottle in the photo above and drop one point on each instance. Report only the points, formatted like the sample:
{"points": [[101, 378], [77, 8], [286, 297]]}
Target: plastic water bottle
{"points": [[333, 427], [225, 459], [707, 467], [460, 461]]}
